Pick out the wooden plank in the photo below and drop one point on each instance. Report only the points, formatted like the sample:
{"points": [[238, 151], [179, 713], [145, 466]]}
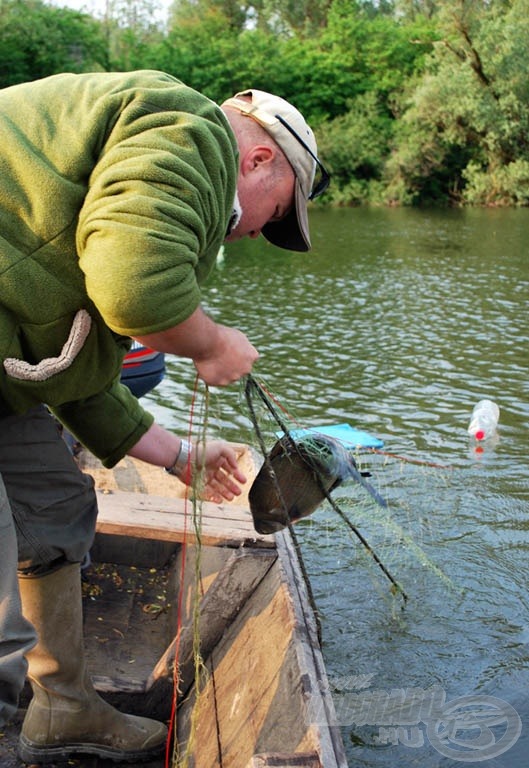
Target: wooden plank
{"points": [[200, 747], [320, 712], [228, 593], [128, 621], [266, 686], [170, 519], [255, 686], [106, 684]]}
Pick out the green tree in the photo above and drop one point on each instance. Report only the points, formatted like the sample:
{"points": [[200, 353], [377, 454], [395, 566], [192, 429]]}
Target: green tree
{"points": [[302, 18], [187, 52], [283, 17], [132, 31], [37, 40], [355, 147], [185, 13], [464, 133], [369, 59]]}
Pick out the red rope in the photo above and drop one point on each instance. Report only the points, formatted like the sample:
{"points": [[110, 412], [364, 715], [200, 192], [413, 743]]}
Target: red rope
{"points": [[274, 399], [421, 462], [174, 703]]}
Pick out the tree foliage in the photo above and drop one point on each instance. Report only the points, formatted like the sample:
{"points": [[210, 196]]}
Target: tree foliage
{"points": [[412, 101], [37, 40], [464, 133]]}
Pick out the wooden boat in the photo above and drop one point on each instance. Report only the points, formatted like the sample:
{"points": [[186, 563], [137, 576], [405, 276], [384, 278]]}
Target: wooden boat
{"points": [[261, 698]]}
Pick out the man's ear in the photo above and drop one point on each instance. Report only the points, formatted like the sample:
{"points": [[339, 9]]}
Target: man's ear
{"points": [[256, 157]]}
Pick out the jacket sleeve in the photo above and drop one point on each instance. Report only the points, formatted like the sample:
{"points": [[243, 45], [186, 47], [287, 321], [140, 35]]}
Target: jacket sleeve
{"points": [[108, 424], [155, 214]]}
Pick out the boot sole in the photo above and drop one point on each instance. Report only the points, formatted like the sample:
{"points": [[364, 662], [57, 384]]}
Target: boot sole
{"points": [[30, 753]]}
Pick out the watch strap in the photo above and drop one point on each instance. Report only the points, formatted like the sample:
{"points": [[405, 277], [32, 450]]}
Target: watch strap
{"points": [[182, 459]]}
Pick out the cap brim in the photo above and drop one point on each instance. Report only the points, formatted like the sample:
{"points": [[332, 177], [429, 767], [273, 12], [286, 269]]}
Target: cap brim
{"points": [[292, 232]]}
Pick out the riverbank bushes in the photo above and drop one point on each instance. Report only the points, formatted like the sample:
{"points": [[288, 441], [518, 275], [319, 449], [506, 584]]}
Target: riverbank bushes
{"points": [[423, 102]]}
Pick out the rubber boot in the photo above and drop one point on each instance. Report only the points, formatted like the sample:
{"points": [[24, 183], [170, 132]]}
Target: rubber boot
{"points": [[66, 716]]}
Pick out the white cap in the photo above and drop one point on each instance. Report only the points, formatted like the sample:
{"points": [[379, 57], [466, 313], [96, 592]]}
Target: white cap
{"points": [[287, 126]]}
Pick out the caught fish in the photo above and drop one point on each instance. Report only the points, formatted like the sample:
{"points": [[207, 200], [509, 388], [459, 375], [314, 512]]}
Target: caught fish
{"points": [[296, 477]]}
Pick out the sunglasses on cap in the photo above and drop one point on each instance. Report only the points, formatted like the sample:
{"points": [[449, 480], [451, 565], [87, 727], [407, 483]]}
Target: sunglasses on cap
{"points": [[319, 187]]}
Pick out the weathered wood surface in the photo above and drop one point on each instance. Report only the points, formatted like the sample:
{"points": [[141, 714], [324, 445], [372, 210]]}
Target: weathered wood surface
{"points": [[139, 500], [165, 519], [221, 603], [265, 691], [128, 623], [134, 475], [319, 707], [281, 760]]}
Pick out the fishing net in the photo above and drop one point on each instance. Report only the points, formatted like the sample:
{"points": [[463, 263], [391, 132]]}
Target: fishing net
{"points": [[299, 474], [394, 505], [399, 504], [421, 500]]}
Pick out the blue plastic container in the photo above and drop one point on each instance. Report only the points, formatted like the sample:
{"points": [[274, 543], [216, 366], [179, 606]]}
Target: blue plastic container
{"points": [[350, 437]]}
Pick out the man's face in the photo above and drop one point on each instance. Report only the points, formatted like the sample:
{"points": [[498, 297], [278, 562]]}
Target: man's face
{"points": [[264, 197]]}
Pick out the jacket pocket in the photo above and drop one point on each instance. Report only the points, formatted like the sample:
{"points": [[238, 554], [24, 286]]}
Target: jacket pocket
{"points": [[60, 362], [50, 366]]}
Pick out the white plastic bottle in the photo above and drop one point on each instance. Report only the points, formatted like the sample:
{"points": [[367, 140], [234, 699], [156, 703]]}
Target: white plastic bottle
{"points": [[484, 420]]}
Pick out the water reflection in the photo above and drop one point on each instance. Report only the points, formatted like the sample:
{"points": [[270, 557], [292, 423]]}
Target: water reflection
{"points": [[398, 323]]}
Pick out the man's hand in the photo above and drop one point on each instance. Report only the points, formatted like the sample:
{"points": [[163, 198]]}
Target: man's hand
{"points": [[232, 358], [221, 355], [217, 460], [221, 474]]}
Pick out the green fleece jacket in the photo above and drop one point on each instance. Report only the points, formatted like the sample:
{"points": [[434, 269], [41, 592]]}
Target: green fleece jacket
{"points": [[116, 191]]}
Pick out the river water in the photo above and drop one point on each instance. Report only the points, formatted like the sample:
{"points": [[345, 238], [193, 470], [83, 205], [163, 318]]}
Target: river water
{"points": [[397, 323]]}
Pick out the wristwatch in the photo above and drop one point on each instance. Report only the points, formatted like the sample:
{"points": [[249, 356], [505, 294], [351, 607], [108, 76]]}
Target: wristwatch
{"points": [[182, 459]]}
